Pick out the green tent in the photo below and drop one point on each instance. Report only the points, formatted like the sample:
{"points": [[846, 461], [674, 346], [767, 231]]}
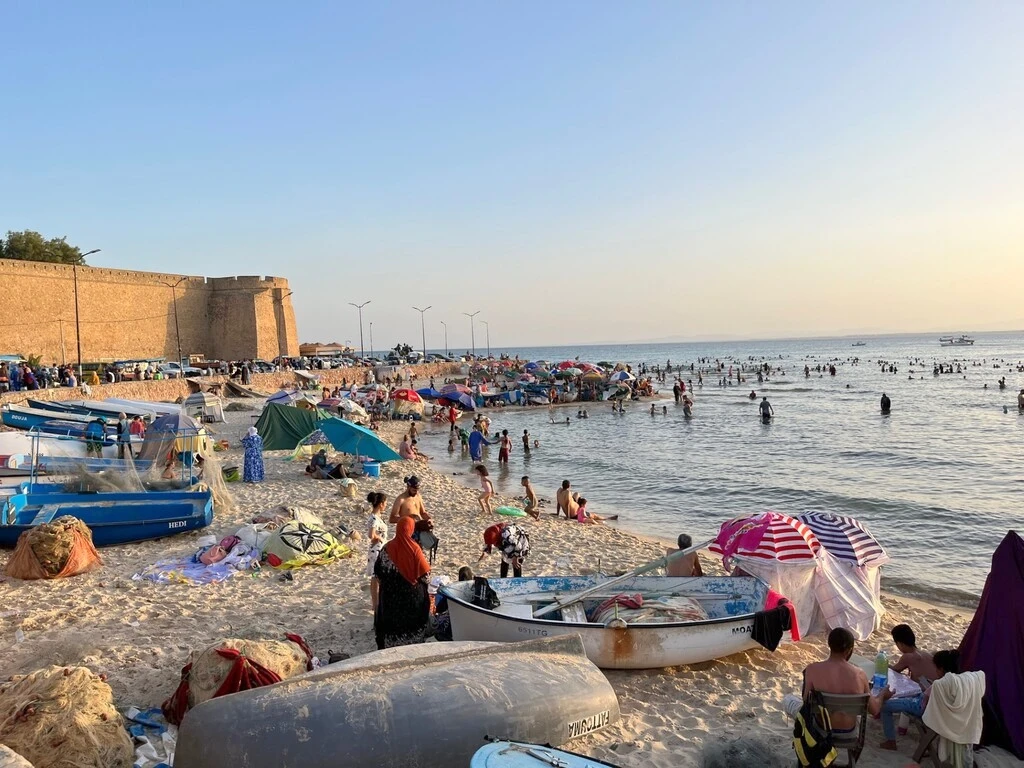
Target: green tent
{"points": [[283, 427]]}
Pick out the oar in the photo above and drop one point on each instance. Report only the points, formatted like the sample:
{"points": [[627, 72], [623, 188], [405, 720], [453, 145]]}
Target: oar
{"points": [[661, 562]]}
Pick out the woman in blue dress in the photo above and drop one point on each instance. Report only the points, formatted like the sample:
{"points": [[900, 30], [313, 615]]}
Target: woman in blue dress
{"points": [[252, 471]]}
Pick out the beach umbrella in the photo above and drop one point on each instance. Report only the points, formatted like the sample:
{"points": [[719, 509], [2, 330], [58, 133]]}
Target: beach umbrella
{"points": [[352, 408], [845, 537], [461, 399], [526, 379], [356, 440], [768, 536], [408, 395], [622, 376], [566, 364], [591, 376], [573, 372], [587, 367], [428, 393], [455, 389], [531, 366]]}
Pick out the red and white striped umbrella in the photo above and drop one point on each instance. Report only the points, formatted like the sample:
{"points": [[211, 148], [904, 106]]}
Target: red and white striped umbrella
{"points": [[768, 536], [846, 538]]}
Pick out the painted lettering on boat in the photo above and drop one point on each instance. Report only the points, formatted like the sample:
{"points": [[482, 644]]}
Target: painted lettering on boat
{"points": [[588, 724], [530, 631], [176, 524], [745, 630]]}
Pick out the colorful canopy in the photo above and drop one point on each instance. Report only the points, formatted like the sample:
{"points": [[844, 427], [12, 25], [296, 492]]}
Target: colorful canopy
{"points": [[455, 389], [622, 376], [845, 537], [429, 393], [768, 536]]}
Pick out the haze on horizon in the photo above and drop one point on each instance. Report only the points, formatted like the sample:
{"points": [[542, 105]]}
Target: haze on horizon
{"points": [[579, 172]]}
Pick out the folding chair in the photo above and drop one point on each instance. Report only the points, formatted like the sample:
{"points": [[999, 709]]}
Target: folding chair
{"points": [[848, 704]]}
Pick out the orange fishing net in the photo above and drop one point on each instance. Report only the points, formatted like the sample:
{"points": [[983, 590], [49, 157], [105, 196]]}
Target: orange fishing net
{"points": [[53, 551]]}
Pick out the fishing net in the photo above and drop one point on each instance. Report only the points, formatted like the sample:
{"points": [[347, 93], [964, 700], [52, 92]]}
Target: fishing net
{"points": [[63, 717], [11, 759], [53, 551], [233, 665]]}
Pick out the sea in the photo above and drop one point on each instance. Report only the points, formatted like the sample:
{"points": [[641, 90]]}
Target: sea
{"points": [[939, 481]]}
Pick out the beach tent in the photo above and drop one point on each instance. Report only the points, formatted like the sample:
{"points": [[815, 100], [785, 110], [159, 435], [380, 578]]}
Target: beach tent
{"points": [[994, 643], [285, 397], [311, 444], [849, 587], [204, 407], [356, 440], [283, 427]]}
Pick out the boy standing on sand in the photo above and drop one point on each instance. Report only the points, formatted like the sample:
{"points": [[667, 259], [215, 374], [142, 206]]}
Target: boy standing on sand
{"points": [[532, 507]]}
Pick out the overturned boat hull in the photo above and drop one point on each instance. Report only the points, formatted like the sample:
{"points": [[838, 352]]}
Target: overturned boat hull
{"points": [[419, 706]]}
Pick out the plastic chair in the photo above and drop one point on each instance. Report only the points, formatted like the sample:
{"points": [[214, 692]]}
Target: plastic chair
{"points": [[849, 704]]}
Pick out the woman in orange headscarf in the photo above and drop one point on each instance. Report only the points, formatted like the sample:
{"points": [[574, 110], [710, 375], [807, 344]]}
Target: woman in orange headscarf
{"points": [[403, 608]]}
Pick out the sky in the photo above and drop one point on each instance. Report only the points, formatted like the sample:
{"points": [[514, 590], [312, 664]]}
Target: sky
{"points": [[576, 171]]}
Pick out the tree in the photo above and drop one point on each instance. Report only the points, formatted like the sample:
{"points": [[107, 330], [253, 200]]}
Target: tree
{"points": [[32, 246]]}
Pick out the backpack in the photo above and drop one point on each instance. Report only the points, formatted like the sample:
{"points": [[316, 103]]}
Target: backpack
{"points": [[484, 594], [812, 734]]}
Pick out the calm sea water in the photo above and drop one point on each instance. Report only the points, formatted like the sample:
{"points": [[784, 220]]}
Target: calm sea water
{"points": [[939, 481]]}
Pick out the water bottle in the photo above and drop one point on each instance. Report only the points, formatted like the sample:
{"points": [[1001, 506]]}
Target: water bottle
{"points": [[881, 663]]}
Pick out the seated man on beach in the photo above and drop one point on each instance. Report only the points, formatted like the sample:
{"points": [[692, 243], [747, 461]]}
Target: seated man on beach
{"points": [[688, 565], [565, 499], [409, 503], [532, 505], [321, 469], [416, 451], [405, 449], [834, 675]]}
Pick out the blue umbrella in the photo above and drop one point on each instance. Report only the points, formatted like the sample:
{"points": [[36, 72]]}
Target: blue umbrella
{"points": [[531, 366], [347, 437], [460, 398], [429, 393]]}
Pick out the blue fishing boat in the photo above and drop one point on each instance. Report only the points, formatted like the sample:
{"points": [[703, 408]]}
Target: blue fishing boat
{"points": [[515, 754], [24, 417], [113, 518]]}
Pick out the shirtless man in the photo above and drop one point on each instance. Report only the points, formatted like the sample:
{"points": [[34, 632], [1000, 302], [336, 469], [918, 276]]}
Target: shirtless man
{"points": [[405, 449], [532, 507], [837, 675], [917, 663], [409, 503], [687, 565], [566, 501]]}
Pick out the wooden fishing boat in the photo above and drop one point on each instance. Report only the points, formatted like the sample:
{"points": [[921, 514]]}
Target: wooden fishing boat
{"points": [[114, 518], [418, 706], [549, 606], [24, 417]]}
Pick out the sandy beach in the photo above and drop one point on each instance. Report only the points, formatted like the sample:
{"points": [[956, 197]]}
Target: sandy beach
{"points": [[139, 633]]}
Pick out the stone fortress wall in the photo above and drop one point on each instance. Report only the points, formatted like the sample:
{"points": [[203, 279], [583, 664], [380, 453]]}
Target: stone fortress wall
{"points": [[130, 315]]}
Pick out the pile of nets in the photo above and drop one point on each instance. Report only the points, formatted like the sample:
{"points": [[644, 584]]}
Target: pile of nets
{"points": [[60, 717], [53, 551], [634, 609], [233, 665]]}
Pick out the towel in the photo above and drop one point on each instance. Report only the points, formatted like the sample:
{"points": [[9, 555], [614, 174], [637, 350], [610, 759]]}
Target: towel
{"points": [[954, 712]]}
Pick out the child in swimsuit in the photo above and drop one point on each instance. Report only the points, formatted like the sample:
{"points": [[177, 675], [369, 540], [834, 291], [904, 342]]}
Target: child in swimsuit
{"points": [[486, 488]]}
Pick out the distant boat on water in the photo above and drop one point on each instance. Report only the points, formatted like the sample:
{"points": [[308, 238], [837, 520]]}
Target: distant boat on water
{"points": [[956, 341], [860, 344]]}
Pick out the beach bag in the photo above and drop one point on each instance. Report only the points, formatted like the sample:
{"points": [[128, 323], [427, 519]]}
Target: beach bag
{"points": [[484, 594], [812, 734], [53, 551]]}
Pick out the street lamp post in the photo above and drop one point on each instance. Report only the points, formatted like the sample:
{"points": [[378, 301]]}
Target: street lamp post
{"points": [[488, 327], [445, 337], [371, 338], [472, 329], [359, 307], [423, 330], [78, 329], [177, 329]]}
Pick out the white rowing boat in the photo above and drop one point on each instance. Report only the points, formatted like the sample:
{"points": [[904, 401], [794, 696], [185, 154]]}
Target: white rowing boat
{"points": [[729, 603]]}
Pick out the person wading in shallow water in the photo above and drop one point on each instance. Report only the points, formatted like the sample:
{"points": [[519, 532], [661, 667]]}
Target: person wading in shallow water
{"points": [[886, 403], [766, 410]]}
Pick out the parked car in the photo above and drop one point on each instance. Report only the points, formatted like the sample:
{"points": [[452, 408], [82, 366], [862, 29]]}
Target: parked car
{"points": [[175, 371]]}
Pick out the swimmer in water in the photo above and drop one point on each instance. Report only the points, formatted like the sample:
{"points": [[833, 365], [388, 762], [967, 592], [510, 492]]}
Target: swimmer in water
{"points": [[886, 403], [767, 412]]}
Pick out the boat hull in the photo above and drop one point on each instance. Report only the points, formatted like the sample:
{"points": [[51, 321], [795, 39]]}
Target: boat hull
{"points": [[636, 646], [418, 706], [113, 518]]}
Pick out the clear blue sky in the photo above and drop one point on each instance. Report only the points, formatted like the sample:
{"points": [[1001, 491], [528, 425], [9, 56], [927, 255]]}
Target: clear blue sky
{"points": [[579, 171]]}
